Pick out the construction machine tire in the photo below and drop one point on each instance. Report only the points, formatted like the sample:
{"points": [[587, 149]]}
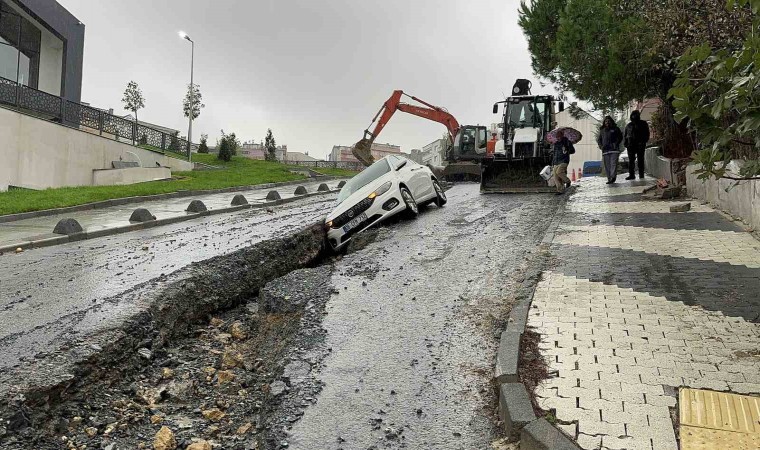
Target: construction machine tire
{"points": [[362, 151], [440, 195]]}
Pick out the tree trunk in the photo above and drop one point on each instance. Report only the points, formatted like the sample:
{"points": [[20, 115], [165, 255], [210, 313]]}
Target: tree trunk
{"points": [[678, 140]]}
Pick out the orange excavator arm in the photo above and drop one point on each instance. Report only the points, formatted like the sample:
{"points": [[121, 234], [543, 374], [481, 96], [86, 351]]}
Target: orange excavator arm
{"points": [[362, 149]]}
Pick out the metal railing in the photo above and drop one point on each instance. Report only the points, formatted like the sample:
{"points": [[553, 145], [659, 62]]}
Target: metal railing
{"points": [[349, 165], [89, 119]]}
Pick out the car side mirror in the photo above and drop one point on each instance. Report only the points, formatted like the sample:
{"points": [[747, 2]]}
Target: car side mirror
{"points": [[400, 166], [495, 108]]}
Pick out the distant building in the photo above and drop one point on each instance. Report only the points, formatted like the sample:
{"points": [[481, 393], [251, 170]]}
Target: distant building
{"points": [[435, 152], [416, 155], [253, 150], [344, 153]]}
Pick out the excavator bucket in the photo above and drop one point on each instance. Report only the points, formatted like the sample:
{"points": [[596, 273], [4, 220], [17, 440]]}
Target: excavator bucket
{"points": [[363, 151], [514, 175]]}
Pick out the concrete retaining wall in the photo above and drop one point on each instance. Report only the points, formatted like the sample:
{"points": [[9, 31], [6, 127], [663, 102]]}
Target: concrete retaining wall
{"points": [[38, 154], [741, 201], [657, 165], [106, 177]]}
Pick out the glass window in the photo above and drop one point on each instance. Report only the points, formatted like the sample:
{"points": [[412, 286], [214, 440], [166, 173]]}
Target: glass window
{"points": [[18, 33], [365, 177]]}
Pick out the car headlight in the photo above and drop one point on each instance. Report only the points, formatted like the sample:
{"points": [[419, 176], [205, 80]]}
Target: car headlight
{"points": [[381, 190], [328, 224]]}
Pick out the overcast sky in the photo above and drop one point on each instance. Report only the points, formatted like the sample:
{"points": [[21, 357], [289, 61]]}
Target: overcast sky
{"points": [[314, 71]]}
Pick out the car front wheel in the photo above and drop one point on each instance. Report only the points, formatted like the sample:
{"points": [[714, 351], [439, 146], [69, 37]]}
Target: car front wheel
{"points": [[412, 210], [440, 196]]}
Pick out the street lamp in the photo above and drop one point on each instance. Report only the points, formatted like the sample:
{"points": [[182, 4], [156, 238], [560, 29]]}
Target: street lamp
{"points": [[184, 35]]}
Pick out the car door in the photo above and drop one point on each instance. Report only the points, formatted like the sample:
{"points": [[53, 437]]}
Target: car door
{"points": [[422, 185], [405, 174]]}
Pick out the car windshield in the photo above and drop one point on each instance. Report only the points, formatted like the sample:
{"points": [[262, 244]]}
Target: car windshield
{"points": [[367, 176]]}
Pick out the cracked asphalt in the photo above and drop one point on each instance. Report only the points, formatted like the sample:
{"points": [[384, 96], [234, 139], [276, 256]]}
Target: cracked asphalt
{"points": [[412, 327], [52, 294]]}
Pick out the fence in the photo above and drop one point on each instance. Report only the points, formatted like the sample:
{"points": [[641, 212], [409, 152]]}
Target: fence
{"points": [[348, 165], [89, 119]]}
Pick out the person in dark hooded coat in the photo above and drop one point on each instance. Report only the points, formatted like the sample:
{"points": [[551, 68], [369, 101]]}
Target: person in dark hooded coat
{"points": [[609, 139], [636, 138]]}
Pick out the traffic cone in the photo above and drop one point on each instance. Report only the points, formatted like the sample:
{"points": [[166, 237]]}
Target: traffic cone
{"points": [[573, 178]]}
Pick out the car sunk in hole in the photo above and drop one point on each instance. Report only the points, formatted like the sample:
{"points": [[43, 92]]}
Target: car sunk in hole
{"points": [[388, 187]]}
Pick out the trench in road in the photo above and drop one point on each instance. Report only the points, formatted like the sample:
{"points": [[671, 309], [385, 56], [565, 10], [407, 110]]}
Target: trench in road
{"points": [[413, 327], [51, 294]]}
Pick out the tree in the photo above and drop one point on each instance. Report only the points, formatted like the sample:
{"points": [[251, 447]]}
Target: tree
{"points": [[718, 92], [203, 146], [609, 52], [193, 97], [270, 146], [227, 146], [133, 99]]}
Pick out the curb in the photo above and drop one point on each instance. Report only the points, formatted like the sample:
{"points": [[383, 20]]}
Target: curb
{"points": [[143, 198], [50, 241], [515, 408]]}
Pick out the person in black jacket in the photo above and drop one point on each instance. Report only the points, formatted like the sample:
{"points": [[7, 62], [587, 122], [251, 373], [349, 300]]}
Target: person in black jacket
{"points": [[636, 138], [609, 139]]}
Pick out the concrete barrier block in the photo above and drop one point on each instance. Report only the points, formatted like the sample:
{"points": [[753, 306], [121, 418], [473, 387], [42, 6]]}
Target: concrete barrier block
{"points": [[141, 215], [341, 184], [273, 195], [300, 190], [507, 357], [515, 408], [68, 227], [239, 200], [323, 188], [541, 435], [196, 206]]}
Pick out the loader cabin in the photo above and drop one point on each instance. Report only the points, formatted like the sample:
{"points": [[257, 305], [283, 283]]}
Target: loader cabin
{"points": [[527, 119]]}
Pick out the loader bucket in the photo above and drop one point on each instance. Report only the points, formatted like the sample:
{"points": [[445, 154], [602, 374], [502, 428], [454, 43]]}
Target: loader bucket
{"points": [[514, 175], [363, 151]]}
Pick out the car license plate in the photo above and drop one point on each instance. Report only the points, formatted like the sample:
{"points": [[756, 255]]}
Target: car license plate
{"points": [[354, 223]]}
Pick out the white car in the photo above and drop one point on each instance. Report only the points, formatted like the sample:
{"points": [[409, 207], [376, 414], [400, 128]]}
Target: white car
{"points": [[390, 186]]}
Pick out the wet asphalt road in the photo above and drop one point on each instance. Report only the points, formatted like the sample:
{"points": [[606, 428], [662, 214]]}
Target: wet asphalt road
{"points": [[46, 294], [412, 327]]}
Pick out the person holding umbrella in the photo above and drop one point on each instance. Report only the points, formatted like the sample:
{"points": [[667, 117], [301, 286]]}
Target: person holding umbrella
{"points": [[609, 139], [562, 149]]}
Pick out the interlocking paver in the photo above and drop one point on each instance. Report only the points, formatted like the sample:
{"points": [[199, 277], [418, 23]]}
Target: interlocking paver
{"points": [[642, 300]]}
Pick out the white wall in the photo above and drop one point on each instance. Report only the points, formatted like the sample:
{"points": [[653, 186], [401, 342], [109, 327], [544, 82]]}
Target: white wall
{"points": [[108, 177], [37, 154], [586, 149], [740, 201], [51, 63]]}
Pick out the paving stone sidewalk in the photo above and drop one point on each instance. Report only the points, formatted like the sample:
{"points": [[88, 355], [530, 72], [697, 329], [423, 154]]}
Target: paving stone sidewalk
{"points": [[642, 302]]}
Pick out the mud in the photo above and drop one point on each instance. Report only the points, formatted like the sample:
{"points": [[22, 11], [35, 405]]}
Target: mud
{"points": [[147, 320]]}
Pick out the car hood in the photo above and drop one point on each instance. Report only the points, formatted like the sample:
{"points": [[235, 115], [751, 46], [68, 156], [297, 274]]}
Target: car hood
{"points": [[357, 196]]}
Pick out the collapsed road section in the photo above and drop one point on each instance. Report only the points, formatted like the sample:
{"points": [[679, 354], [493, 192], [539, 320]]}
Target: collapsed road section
{"points": [[275, 346]]}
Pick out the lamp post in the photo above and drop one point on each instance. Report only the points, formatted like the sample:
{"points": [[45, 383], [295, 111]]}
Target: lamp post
{"points": [[184, 35]]}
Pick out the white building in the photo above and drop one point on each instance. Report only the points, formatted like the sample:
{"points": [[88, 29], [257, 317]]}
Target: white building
{"points": [[586, 149], [435, 152]]}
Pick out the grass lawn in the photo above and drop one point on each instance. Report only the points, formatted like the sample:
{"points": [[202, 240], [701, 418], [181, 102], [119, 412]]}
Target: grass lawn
{"points": [[238, 172]]}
